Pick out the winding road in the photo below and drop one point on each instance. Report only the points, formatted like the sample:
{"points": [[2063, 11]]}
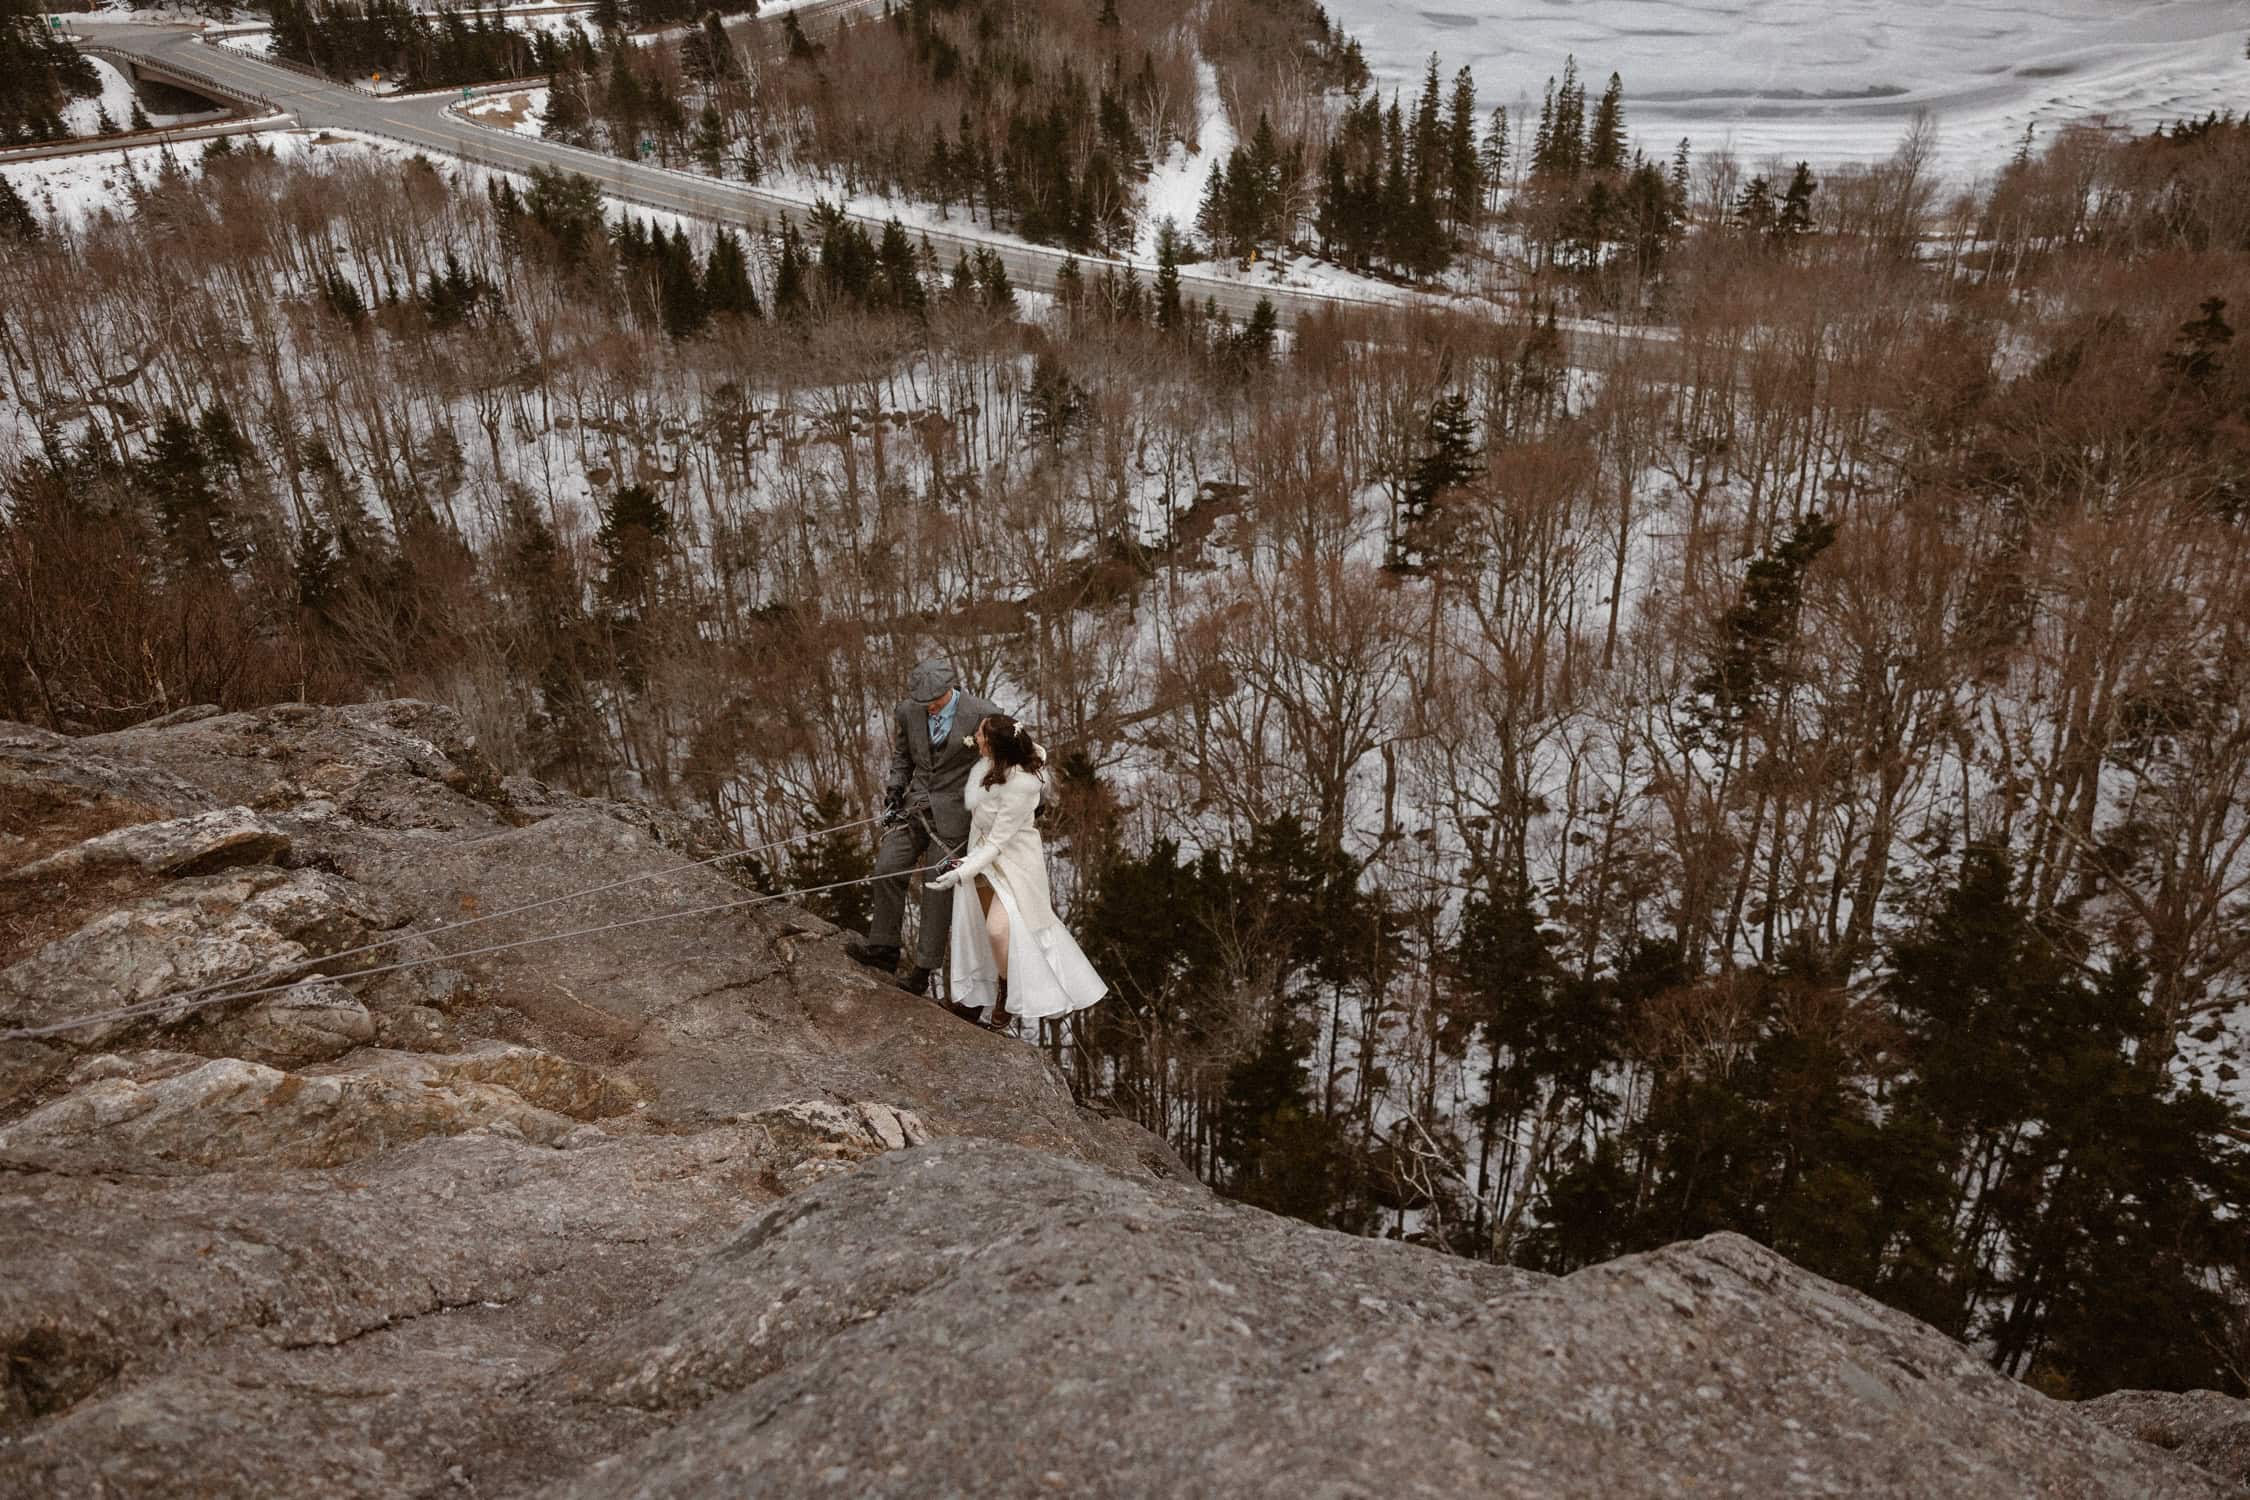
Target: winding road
{"points": [[424, 122]]}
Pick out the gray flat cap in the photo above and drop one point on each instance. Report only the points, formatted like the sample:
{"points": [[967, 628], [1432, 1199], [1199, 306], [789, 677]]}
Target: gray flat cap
{"points": [[931, 678]]}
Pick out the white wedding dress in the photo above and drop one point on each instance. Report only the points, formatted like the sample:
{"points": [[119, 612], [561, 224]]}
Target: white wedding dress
{"points": [[1048, 974]]}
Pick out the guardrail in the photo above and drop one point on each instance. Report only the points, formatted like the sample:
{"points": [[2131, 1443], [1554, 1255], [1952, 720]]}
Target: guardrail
{"points": [[131, 140], [189, 77]]}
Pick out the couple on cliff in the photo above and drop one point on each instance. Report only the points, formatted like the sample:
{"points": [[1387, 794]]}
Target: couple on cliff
{"points": [[965, 782]]}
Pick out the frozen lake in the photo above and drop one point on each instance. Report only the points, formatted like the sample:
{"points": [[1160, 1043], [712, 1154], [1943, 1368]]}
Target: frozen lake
{"points": [[1833, 80]]}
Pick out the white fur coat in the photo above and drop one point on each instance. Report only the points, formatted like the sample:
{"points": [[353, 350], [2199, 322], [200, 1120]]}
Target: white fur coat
{"points": [[1048, 974]]}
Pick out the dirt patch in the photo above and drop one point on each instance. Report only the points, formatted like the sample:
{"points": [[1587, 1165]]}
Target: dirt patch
{"points": [[39, 817]]}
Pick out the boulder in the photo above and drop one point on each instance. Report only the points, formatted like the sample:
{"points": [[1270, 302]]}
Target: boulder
{"points": [[391, 1328], [259, 924], [193, 845], [228, 1112], [977, 1319], [2209, 1430]]}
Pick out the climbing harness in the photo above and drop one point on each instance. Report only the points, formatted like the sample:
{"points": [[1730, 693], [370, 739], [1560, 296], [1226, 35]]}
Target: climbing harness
{"points": [[220, 991]]}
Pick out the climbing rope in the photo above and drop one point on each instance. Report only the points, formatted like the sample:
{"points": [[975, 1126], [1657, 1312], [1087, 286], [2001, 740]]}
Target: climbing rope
{"points": [[220, 991]]}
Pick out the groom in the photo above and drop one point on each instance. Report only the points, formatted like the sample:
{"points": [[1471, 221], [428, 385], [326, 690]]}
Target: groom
{"points": [[930, 764]]}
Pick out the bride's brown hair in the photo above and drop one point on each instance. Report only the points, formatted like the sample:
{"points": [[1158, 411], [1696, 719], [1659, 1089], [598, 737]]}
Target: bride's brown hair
{"points": [[1011, 746]]}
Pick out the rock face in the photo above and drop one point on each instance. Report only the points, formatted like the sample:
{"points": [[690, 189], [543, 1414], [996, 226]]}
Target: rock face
{"points": [[695, 1206]]}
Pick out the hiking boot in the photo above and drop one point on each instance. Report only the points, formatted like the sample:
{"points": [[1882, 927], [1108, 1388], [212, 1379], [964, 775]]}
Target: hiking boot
{"points": [[882, 956], [916, 982]]}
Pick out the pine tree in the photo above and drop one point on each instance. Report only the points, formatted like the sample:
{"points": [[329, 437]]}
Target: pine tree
{"points": [[1795, 218], [1605, 149], [801, 47], [1259, 333], [727, 291], [1754, 208], [901, 278], [1168, 313], [1543, 143], [1212, 219], [191, 514], [789, 294], [1464, 165], [708, 56], [710, 140], [1448, 460], [1755, 634], [140, 119], [17, 221], [994, 290], [631, 539], [1492, 156], [1070, 286]]}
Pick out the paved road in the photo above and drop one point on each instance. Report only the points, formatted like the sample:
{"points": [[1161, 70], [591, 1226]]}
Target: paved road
{"points": [[422, 121]]}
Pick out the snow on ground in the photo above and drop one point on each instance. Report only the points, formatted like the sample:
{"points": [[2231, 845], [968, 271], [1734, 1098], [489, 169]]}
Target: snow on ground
{"points": [[1175, 188], [158, 15], [518, 113], [1831, 81], [83, 116], [250, 43], [76, 189]]}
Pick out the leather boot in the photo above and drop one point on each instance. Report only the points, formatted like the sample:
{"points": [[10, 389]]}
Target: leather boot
{"points": [[882, 956], [916, 982]]}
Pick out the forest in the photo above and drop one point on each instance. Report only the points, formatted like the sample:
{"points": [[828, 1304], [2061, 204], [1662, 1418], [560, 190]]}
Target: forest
{"points": [[1783, 766], [39, 74]]}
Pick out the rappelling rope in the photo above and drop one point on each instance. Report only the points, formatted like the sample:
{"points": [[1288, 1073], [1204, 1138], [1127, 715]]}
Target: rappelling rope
{"points": [[221, 991]]}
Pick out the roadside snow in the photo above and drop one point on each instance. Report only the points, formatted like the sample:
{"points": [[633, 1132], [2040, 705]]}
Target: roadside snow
{"points": [[518, 113], [82, 117], [76, 189]]}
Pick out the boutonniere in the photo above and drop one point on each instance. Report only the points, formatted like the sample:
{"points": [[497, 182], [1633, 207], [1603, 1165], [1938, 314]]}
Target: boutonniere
{"points": [[970, 740]]}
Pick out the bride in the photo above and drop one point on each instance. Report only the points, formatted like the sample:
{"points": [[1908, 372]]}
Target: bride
{"points": [[1011, 957]]}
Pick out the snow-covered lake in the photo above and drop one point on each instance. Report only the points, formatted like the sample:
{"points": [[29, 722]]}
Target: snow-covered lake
{"points": [[1833, 80]]}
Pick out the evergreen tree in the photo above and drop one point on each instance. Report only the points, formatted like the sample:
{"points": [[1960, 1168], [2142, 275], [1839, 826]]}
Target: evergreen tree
{"points": [[994, 290], [801, 47], [1448, 460], [632, 537], [708, 56], [1605, 149], [1748, 662], [1795, 218], [727, 291], [1492, 156], [192, 515], [710, 140], [17, 221], [1754, 211], [790, 301], [1070, 286], [1259, 332], [901, 276], [1464, 164], [681, 288], [1168, 314]]}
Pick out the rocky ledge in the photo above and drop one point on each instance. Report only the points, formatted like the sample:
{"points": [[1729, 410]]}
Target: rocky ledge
{"points": [[696, 1207]]}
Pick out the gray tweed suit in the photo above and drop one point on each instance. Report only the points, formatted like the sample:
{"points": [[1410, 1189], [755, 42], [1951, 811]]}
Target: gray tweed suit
{"points": [[932, 778]]}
